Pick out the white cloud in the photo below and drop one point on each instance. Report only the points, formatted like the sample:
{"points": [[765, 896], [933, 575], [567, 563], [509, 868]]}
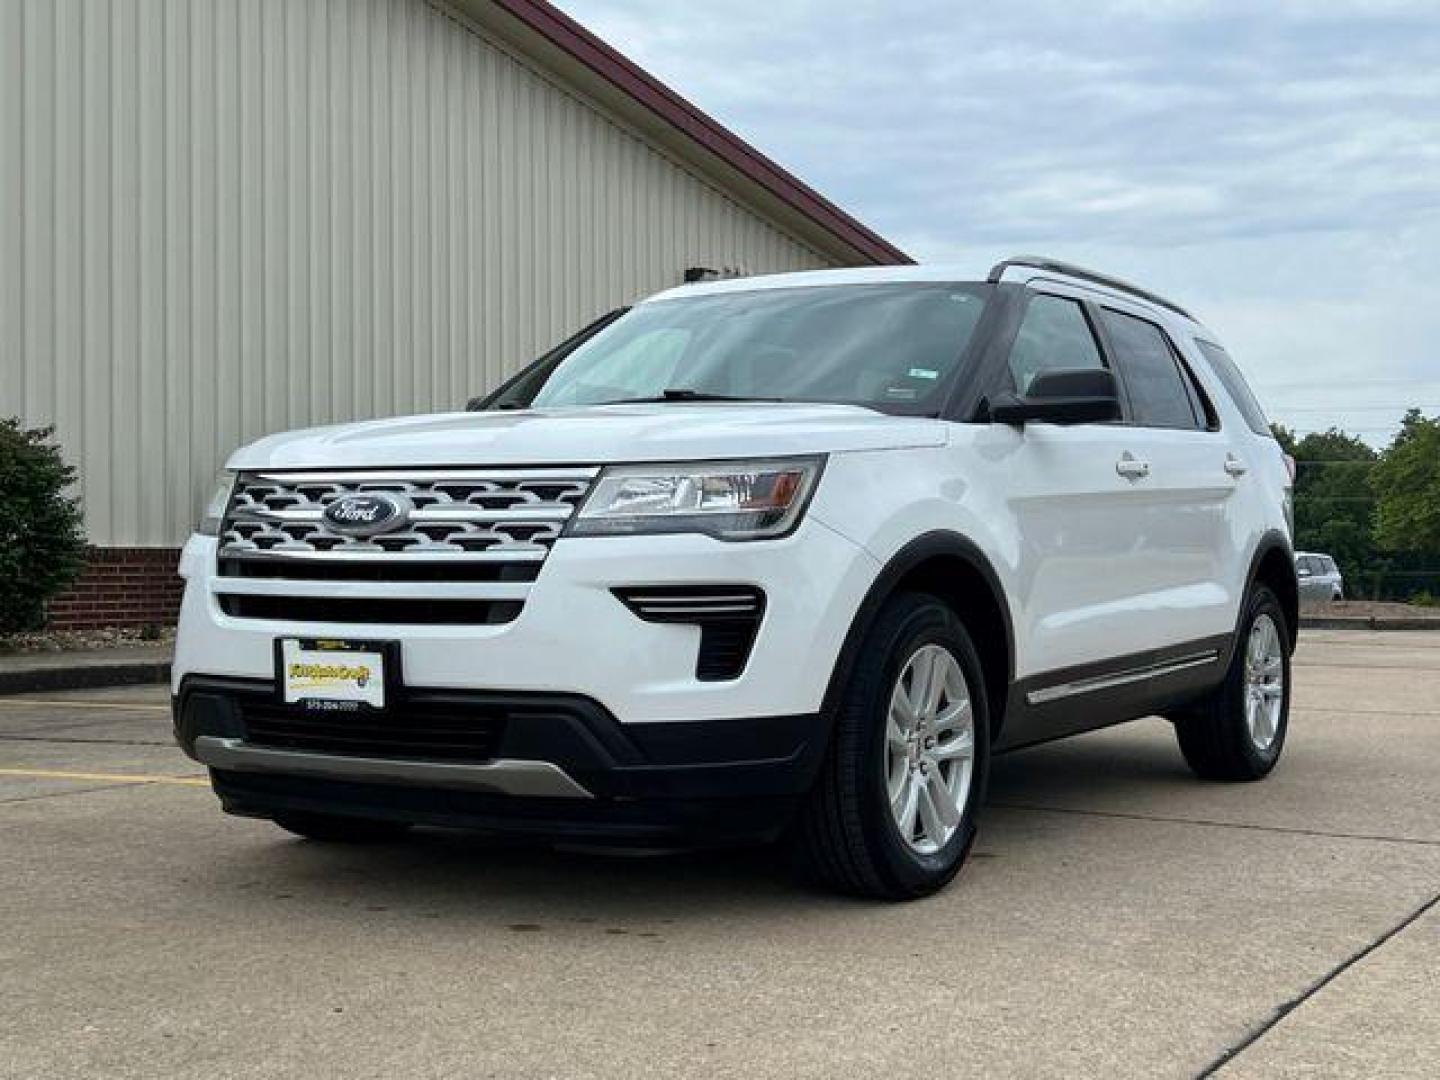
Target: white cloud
{"points": [[1276, 165]]}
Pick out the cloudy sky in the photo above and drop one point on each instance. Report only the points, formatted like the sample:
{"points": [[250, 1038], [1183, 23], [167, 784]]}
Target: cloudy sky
{"points": [[1274, 166]]}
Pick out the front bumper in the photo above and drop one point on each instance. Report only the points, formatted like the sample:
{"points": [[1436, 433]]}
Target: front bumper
{"points": [[561, 766], [573, 635]]}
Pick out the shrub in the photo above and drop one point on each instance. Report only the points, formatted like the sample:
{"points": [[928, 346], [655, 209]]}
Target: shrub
{"points": [[42, 541]]}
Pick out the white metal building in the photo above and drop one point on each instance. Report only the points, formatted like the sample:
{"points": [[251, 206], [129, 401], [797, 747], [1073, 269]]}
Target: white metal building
{"points": [[220, 218]]}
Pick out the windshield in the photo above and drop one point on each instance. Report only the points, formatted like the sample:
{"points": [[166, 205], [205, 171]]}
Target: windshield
{"points": [[878, 345]]}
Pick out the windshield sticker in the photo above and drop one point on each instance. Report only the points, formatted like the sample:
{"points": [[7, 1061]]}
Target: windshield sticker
{"points": [[923, 373]]}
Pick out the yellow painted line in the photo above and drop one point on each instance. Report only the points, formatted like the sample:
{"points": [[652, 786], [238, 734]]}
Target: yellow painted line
{"points": [[20, 703], [112, 778]]}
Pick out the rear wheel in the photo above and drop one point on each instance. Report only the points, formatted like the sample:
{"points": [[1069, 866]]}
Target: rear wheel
{"points": [[1239, 731], [337, 829], [893, 813]]}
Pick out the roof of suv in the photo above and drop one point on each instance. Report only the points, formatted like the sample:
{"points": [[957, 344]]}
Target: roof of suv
{"points": [[1018, 270]]}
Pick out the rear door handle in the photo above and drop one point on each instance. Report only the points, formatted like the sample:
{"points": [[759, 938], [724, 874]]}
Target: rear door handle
{"points": [[1131, 467], [1234, 466]]}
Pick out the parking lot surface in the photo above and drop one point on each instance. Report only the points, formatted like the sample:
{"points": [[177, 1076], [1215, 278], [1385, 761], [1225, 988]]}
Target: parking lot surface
{"points": [[1119, 918]]}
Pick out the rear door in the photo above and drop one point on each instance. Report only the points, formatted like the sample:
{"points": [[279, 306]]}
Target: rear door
{"points": [[1183, 582]]}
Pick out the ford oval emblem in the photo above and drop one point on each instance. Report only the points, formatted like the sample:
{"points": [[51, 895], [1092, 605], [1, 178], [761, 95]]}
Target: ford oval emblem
{"points": [[367, 515]]}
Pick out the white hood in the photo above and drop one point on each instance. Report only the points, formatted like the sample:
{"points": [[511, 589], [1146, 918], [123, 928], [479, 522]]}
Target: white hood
{"points": [[596, 435]]}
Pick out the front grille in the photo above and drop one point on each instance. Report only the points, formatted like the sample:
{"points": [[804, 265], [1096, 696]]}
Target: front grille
{"points": [[454, 512], [411, 731], [728, 616], [485, 531]]}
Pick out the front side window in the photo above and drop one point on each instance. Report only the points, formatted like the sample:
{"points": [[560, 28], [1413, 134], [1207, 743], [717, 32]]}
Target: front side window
{"points": [[1158, 397], [1054, 335], [885, 346]]}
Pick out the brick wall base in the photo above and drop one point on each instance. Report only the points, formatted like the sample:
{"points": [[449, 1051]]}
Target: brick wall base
{"points": [[130, 587]]}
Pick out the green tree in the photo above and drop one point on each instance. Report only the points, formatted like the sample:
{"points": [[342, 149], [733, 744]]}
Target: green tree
{"points": [[1406, 482], [1334, 504], [42, 545]]}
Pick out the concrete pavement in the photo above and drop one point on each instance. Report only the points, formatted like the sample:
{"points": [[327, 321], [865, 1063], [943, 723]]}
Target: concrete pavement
{"points": [[1119, 919]]}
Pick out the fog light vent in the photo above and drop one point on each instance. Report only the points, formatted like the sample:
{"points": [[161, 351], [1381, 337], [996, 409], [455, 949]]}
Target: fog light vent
{"points": [[728, 617]]}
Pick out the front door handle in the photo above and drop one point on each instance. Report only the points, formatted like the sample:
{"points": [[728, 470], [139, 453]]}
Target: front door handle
{"points": [[1234, 466], [1131, 467]]}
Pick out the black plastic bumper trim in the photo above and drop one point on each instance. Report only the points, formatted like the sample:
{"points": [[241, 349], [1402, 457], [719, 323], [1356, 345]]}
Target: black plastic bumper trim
{"points": [[726, 761]]}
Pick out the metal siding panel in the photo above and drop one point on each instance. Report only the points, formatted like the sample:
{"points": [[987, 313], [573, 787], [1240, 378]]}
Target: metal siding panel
{"points": [[176, 298], [220, 218], [199, 266], [96, 458], [38, 159], [12, 208], [150, 419]]}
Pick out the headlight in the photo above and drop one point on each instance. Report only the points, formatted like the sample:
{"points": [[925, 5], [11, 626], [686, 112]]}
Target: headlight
{"points": [[215, 508], [732, 500]]}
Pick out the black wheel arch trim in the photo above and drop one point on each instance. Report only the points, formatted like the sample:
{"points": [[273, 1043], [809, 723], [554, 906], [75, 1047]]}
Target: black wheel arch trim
{"points": [[1272, 541], [938, 543]]}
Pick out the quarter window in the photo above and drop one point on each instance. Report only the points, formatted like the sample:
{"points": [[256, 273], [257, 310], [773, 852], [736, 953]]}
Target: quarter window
{"points": [[1158, 397], [1235, 385], [1054, 335]]}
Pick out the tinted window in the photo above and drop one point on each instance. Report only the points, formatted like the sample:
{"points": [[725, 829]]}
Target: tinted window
{"points": [[1158, 397], [1235, 385], [1054, 335]]}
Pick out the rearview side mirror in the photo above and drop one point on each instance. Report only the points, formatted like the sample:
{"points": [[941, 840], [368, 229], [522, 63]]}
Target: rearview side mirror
{"points": [[1062, 396]]}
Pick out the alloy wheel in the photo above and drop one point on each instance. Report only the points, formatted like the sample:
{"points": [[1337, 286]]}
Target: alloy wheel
{"points": [[1264, 682], [929, 748]]}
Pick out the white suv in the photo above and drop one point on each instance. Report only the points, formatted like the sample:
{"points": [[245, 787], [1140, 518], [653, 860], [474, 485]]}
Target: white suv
{"points": [[786, 556]]}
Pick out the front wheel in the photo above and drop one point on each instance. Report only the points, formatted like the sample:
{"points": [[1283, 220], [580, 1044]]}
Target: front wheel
{"points": [[1237, 733], [893, 813]]}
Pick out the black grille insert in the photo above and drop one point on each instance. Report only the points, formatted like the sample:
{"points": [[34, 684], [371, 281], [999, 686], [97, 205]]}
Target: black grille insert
{"points": [[370, 610], [408, 731], [381, 569]]}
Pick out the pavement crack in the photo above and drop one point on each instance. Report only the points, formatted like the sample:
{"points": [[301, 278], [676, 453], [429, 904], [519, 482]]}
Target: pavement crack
{"points": [[75, 791], [87, 742], [1211, 823], [1230, 1053]]}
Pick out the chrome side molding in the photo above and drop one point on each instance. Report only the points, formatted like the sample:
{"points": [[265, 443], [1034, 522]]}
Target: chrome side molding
{"points": [[1120, 678]]}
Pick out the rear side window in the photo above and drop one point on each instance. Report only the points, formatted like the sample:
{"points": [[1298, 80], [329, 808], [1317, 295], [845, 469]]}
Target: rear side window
{"points": [[1054, 335], [1235, 385], [1158, 397]]}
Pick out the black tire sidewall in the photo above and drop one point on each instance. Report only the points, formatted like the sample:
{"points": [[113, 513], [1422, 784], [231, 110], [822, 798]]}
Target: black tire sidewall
{"points": [[1262, 602], [913, 621]]}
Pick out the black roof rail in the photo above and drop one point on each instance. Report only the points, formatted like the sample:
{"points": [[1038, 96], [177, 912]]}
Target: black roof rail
{"points": [[1055, 266]]}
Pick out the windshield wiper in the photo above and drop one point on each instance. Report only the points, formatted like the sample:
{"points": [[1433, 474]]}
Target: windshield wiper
{"points": [[683, 395]]}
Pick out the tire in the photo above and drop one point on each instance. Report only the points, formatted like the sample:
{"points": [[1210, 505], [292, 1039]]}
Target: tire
{"points": [[847, 836], [1217, 736], [336, 829]]}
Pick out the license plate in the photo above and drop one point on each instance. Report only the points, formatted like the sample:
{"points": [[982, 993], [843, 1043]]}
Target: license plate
{"points": [[332, 675]]}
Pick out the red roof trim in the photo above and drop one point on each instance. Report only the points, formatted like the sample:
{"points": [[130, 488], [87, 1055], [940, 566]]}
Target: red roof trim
{"points": [[568, 35]]}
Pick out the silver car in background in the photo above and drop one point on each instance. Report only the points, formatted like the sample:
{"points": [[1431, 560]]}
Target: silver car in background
{"points": [[1320, 579]]}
